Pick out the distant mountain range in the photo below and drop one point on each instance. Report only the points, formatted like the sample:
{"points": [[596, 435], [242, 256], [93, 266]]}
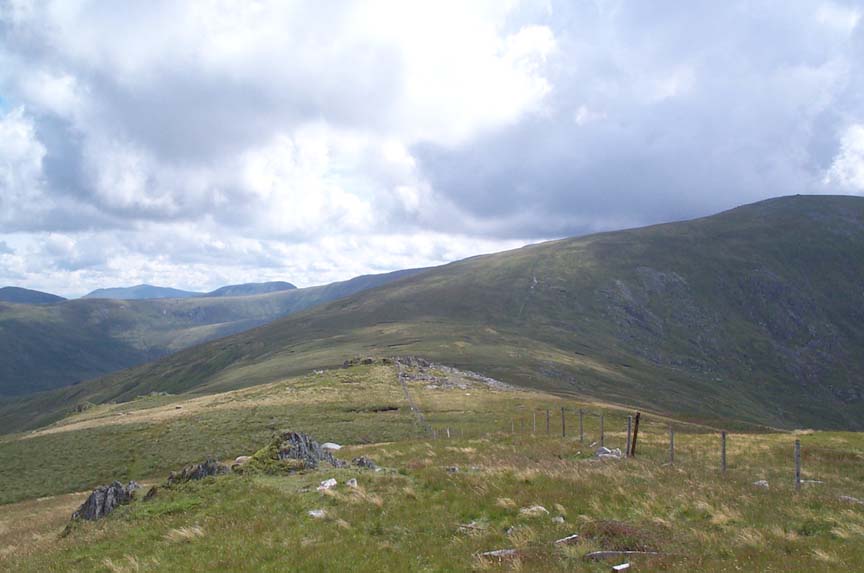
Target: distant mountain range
{"points": [[45, 346], [140, 292], [27, 296], [149, 292]]}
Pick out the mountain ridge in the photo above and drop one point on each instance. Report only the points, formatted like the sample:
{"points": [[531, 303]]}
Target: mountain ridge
{"points": [[754, 314]]}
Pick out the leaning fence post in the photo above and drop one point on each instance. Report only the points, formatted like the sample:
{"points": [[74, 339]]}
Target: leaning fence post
{"points": [[563, 425], [629, 429], [635, 435], [797, 464], [723, 451], [671, 444], [534, 422], [448, 433], [581, 426], [602, 432]]}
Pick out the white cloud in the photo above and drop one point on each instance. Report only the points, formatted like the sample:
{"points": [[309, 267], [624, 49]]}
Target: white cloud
{"points": [[847, 169]]}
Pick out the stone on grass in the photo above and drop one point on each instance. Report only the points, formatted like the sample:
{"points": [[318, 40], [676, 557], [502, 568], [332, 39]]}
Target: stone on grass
{"points": [[198, 471], [763, 483], [850, 499], [569, 540], [352, 483], [500, 555], [317, 513], [327, 484], [298, 446], [240, 460], [604, 453], [558, 519], [331, 446], [364, 462], [104, 499], [534, 511]]}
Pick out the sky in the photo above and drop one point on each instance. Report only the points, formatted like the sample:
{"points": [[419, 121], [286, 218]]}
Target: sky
{"points": [[200, 143]]}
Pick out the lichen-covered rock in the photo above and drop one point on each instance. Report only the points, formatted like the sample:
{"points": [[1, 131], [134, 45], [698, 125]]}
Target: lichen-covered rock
{"points": [[198, 471], [104, 500], [298, 446]]}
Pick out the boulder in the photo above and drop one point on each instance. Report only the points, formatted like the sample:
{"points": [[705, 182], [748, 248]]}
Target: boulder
{"points": [[318, 513], [352, 483], [197, 471], [104, 500], [331, 446], [761, 483], [298, 446]]}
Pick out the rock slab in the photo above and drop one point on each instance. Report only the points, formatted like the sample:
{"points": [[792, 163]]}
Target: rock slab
{"points": [[104, 500]]}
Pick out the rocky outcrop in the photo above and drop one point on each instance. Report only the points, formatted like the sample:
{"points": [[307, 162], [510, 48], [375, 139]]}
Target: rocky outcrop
{"points": [[104, 500], [298, 446], [197, 471]]}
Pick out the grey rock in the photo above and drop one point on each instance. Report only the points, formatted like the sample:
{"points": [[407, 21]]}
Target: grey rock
{"points": [[364, 462], [298, 446], [104, 500], [197, 471], [352, 483], [761, 483], [850, 499]]}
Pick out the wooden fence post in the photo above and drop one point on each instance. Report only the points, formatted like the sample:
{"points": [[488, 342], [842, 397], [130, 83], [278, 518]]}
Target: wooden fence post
{"points": [[547, 421], [448, 433], [635, 435], [629, 429], [534, 422], [602, 432], [563, 425], [723, 451], [671, 444], [581, 427], [797, 464]]}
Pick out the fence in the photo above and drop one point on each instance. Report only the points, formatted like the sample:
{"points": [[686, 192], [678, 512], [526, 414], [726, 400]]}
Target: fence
{"points": [[638, 436]]}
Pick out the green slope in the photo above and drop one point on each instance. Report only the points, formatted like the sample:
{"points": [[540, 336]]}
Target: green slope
{"points": [[755, 314], [48, 346], [27, 296]]}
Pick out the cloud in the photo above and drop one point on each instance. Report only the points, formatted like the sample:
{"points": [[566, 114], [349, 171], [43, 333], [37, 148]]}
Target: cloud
{"points": [[196, 143]]}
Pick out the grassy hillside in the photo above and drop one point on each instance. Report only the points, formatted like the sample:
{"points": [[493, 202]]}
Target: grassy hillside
{"points": [[439, 503], [48, 346], [248, 289], [140, 292], [26, 296], [754, 314]]}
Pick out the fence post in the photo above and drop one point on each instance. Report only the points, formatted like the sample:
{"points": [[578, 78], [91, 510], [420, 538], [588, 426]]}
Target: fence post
{"points": [[723, 451], [671, 444], [581, 427], [448, 433], [797, 464], [512, 426], [602, 432], [534, 422], [563, 425], [629, 429], [635, 434], [434, 434], [547, 421]]}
